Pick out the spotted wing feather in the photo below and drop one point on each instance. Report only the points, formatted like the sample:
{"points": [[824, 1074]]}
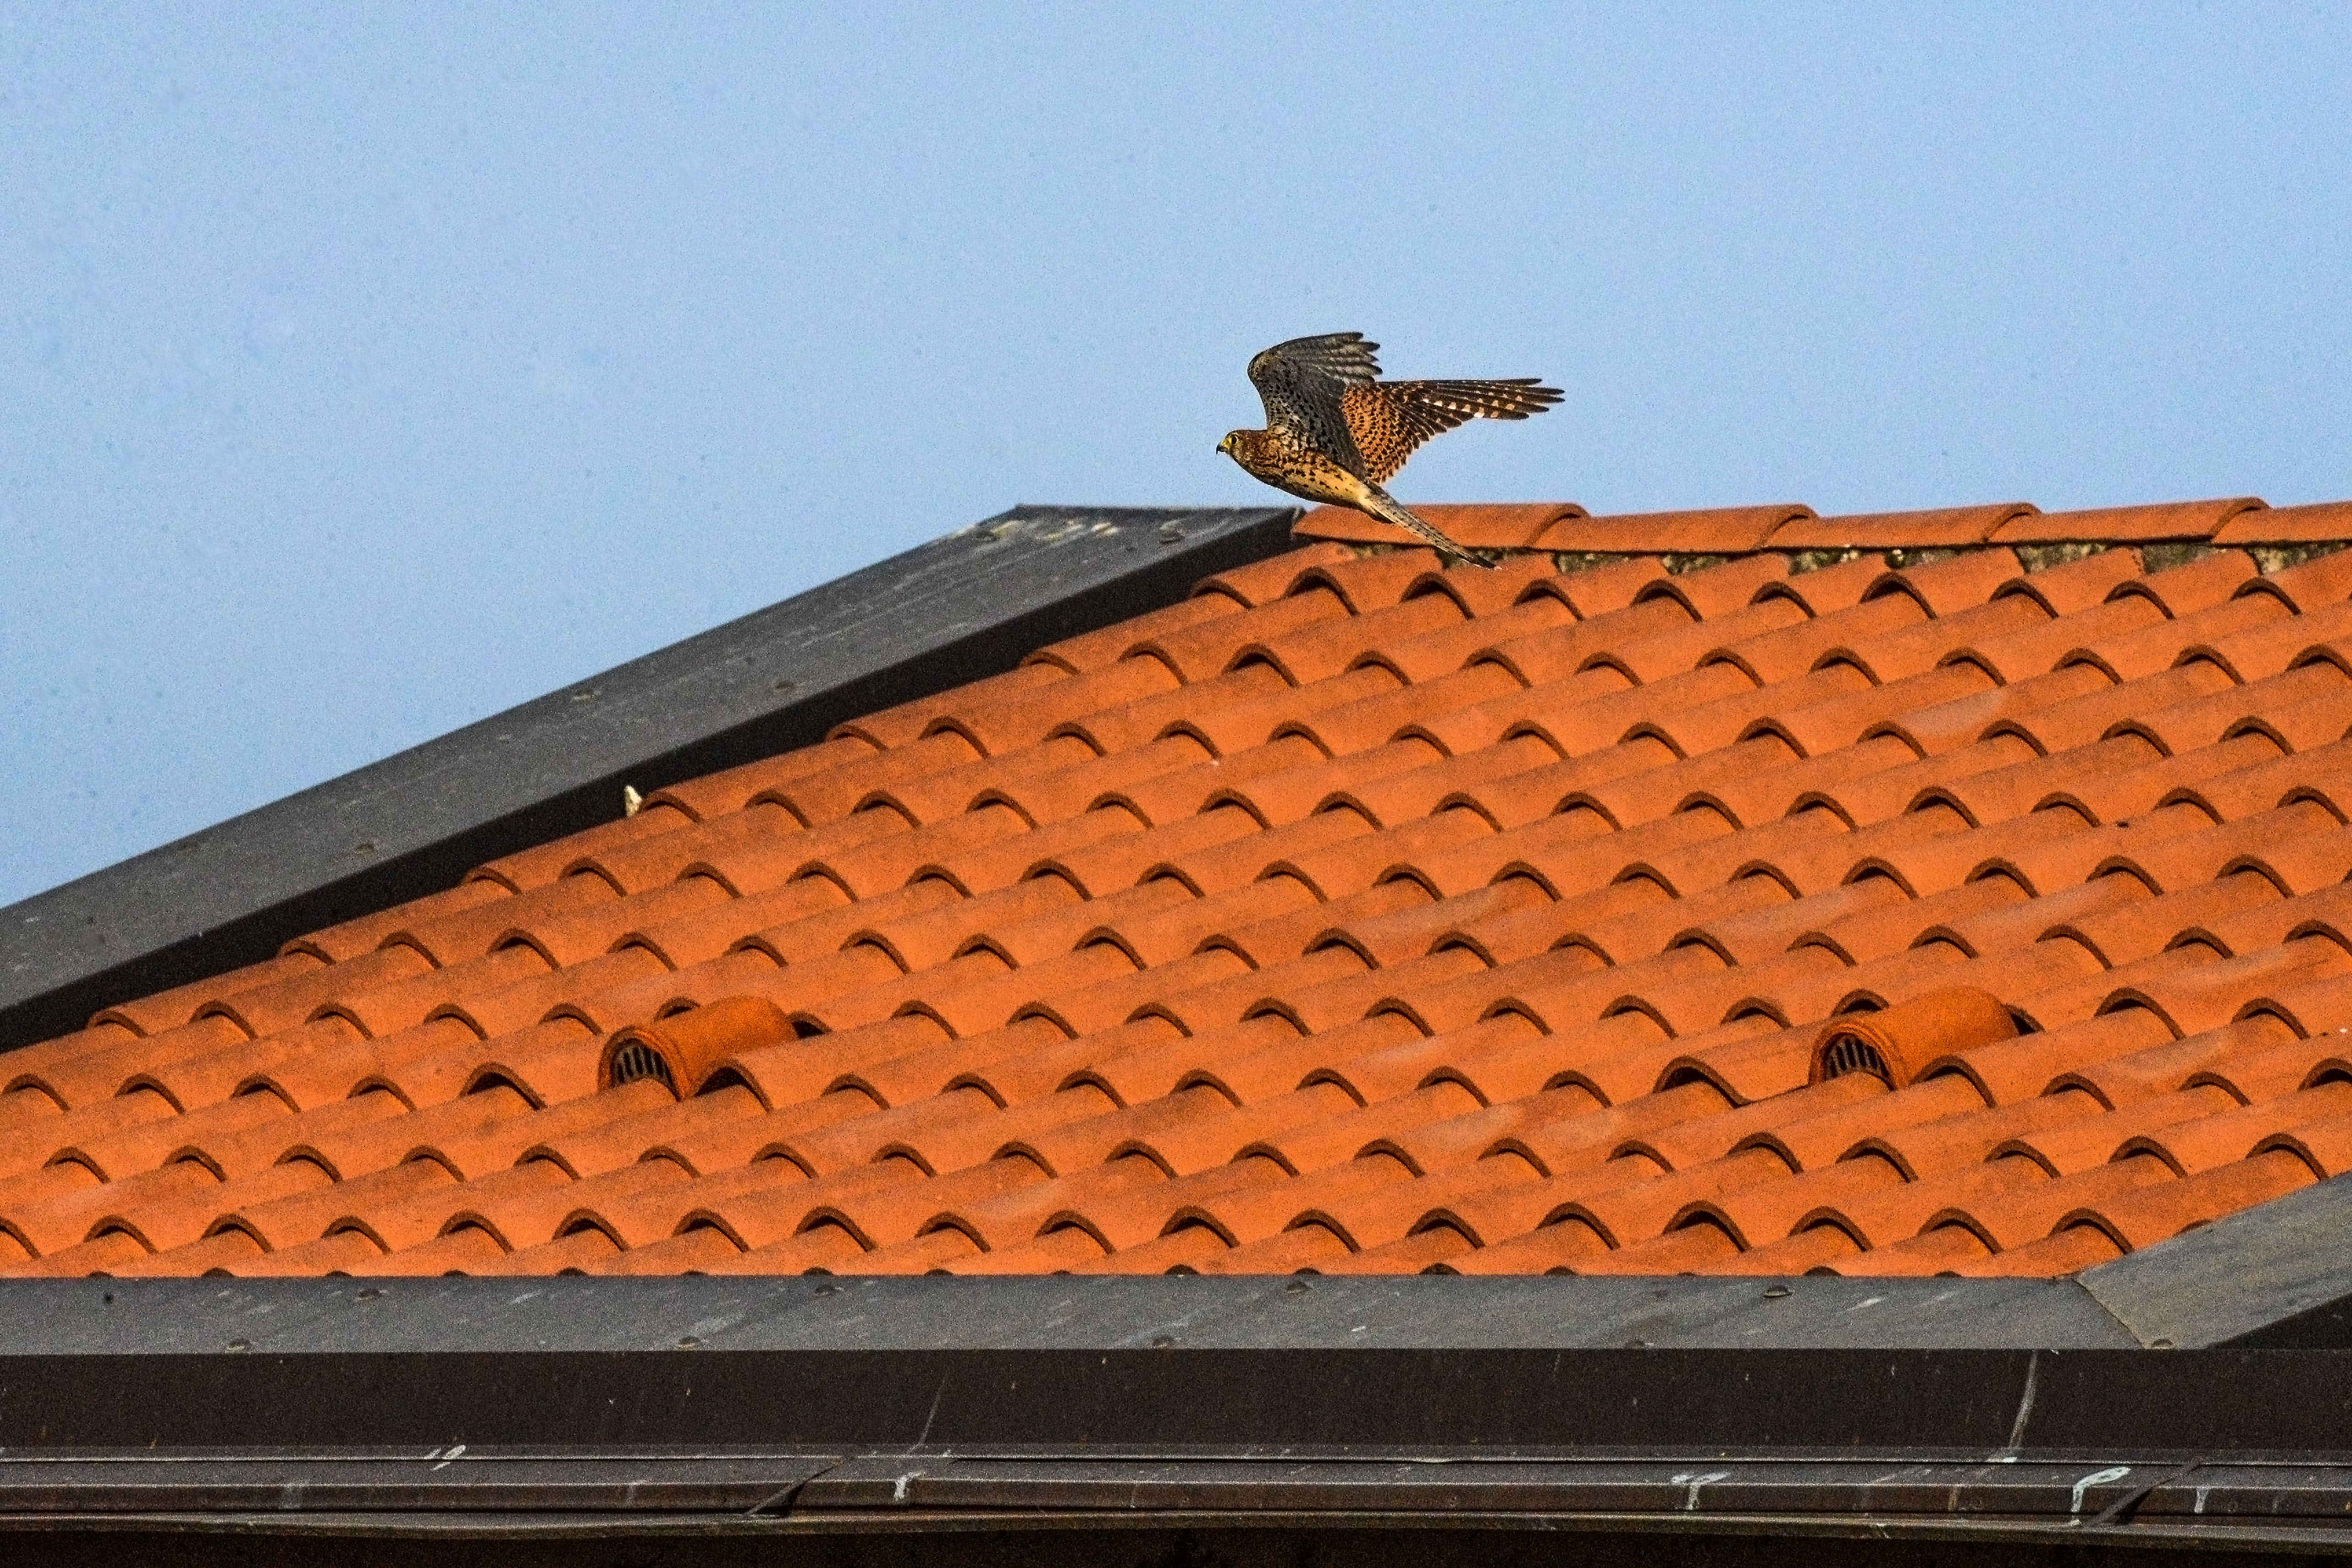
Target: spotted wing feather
{"points": [[1388, 420]]}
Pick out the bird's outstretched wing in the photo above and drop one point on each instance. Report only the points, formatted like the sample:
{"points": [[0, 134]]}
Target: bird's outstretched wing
{"points": [[1387, 420], [1301, 381]]}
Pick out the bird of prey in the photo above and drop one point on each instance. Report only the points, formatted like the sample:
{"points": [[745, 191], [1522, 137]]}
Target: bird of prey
{"points": [[1336, 432]]}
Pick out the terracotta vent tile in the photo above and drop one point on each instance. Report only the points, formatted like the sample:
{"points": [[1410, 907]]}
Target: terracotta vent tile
{"points": [[1357, 914], [1898, 1044]]}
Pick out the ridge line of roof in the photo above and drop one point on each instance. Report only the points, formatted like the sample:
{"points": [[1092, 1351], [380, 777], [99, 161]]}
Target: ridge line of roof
{"points": [[2039, 556], [1565, 526]]}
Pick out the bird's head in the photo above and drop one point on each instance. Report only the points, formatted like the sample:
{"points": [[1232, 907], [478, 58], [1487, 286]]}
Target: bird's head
{"points": [[1231, 445]]}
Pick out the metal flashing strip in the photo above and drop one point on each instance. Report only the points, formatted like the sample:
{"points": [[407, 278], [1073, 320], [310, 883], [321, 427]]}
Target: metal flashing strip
{"points": [[2076, 1492], [950, 611], [767, 1488], [589, 1314]]}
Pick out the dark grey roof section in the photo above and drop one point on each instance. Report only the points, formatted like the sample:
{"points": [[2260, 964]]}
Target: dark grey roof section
{"points": [[614, 1314], [2276, 1275], [950, 611], [711, 1409]]}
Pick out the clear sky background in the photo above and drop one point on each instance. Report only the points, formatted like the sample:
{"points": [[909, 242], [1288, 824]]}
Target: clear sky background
{"points": [[365, 372]]}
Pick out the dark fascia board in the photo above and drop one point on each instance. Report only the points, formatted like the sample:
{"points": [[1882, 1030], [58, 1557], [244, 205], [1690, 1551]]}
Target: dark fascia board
{"points": [[1216, 1365], [967, 605]]}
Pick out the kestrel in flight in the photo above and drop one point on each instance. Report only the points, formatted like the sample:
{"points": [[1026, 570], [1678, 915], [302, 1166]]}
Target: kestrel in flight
{"points": [[1336, 432]]}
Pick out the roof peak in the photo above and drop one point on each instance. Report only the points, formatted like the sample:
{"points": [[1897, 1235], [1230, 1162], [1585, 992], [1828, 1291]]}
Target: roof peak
{"points": [[1567, 528]]}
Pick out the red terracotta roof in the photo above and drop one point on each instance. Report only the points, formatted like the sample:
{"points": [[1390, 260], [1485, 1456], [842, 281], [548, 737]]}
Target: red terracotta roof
{"points": [[1787, 911]]}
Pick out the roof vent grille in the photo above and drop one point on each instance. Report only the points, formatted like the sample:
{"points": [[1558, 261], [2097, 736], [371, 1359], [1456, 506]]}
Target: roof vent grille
{"points": [[1896, 1045], [637, 1059], [1844, 1054]]}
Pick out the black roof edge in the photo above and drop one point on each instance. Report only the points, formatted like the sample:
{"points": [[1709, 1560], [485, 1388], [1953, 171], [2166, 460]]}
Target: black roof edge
{"points": [[970, 605], [2276, 1276], [1160, 1365]]}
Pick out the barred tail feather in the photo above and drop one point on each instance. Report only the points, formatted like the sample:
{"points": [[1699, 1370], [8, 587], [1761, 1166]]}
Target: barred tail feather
{"points": [[1385, 507]]}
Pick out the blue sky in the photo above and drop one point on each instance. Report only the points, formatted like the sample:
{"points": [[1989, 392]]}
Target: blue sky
{"points": [[362, 372]]}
